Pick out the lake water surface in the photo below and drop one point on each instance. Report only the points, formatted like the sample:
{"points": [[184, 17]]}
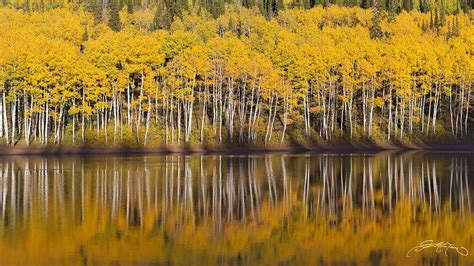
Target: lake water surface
{"points": [[269, 209]]}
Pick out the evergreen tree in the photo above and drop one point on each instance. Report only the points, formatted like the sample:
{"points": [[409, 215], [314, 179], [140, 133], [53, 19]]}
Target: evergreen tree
{"points": [[271, 7], [114, 19], [248, 3], [216, 7], [375, 28], [467, 5], [95, 7], [391, 8], [163, 17], [437, 23], [407, 5], [129, 5], [443, 12], [423, 6], [431, 20]]}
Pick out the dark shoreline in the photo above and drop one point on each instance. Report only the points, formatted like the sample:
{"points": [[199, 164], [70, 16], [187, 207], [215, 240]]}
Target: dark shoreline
{"points": [[322, 148]]}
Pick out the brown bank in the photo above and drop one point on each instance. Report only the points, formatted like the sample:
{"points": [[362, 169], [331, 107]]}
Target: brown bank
{"points": [[241, 149]]}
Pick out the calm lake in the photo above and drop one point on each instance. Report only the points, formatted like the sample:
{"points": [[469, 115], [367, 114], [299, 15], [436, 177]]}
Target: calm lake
{"points": [[269, 209]]}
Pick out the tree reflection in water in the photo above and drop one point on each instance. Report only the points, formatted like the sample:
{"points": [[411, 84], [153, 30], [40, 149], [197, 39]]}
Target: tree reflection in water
{"points": [[265, 209]]}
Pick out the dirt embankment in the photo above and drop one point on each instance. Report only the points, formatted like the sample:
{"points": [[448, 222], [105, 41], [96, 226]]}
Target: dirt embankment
{"points": [[242, 149]]}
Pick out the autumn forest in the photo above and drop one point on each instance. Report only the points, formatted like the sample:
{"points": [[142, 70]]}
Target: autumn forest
{"points": [[324, 74]]}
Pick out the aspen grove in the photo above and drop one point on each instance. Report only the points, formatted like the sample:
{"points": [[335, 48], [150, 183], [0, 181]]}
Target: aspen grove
{"points": [[317, 74]]}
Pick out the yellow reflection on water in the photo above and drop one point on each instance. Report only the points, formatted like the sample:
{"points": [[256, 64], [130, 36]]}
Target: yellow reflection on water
{"points": [[268, 209]]}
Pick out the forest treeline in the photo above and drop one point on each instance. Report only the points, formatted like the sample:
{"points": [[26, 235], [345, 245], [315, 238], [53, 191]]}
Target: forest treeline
{"points": [[322, 74], [164, 11]]}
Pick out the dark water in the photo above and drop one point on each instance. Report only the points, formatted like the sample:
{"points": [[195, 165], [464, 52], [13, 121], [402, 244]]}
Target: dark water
{"points": [[311, 209]]}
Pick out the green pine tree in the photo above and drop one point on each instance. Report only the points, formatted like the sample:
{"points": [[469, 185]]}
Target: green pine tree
{"points": [[456, 26], [375, 28], [450, 31], [443, 12], [163, 18], [431, 20], [423, 26], [114, 19], [437, 22], [95, 7]]}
